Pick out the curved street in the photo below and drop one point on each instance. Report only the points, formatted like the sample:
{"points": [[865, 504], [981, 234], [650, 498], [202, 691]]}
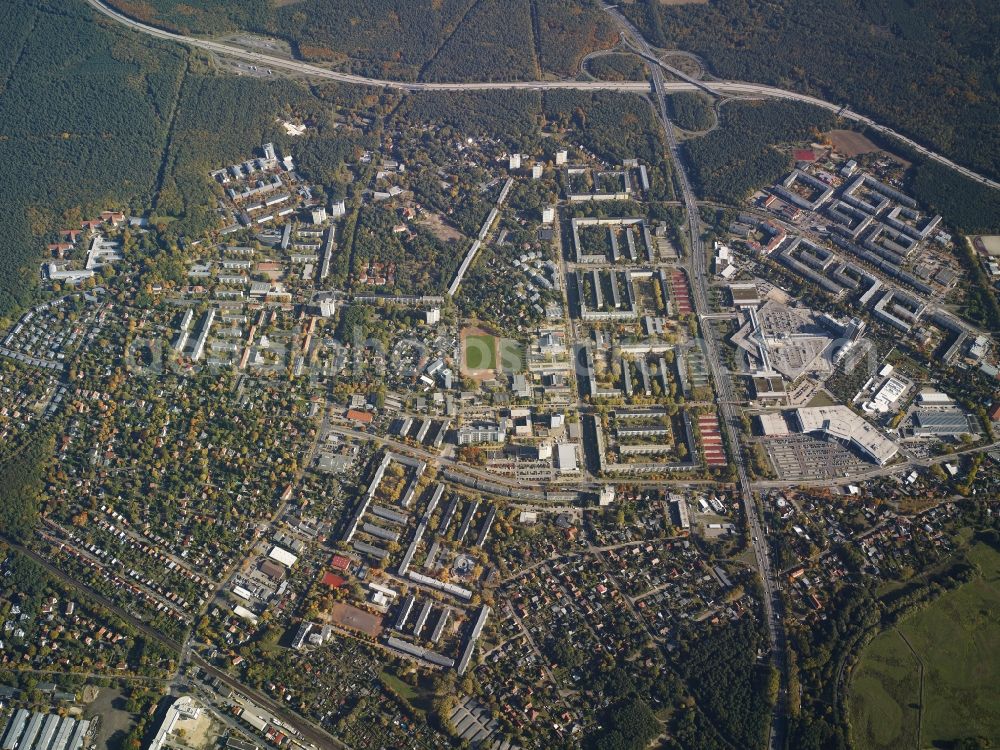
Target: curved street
{"points": [[736, 88]]}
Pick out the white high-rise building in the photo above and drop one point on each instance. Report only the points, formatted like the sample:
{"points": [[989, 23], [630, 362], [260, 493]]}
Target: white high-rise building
{"points": [[515, 161], [561, 157]]}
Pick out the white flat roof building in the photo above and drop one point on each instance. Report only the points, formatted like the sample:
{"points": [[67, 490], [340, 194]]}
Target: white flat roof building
{"points": [[773, 425], [888, 395], [566, 457], [843, 424], [934, 398], [240, 611], [283, 556]]}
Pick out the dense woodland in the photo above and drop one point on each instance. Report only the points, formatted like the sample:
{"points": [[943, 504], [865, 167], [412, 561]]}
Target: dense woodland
{"points": [[208, 132], [731, 687], [691, 110], [613, 126], [200, 16], [928, 69], [493, 43], [968, 205], [85, 122], [508, 116], [21, 480], [567, 30], [390, 37], [740, 155], [457, 39], [618, 67]]}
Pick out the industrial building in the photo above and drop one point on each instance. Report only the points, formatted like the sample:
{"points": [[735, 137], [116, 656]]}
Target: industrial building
{"points": [[38, 731], [940, 423]]}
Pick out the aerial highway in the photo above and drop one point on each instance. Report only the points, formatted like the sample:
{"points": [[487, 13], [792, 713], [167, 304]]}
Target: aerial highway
{"points": [[686, 82], [261, 59]]}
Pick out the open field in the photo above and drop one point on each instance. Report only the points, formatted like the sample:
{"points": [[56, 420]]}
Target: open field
{"points": [[953, 661], [851, 143], [437, 226]]}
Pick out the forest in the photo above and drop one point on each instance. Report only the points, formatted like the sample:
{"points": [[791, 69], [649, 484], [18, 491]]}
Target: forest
{"points": [[508, 116], [568, 30], [730, 686], [444, 39], [493, 43], [928, 69], [618, 67], [614, 126], [209, 133], [967, 205], [385, 38], [198, 16], [740, 155], [381, 37], [85, 121], [21, 480], [691, 110]]}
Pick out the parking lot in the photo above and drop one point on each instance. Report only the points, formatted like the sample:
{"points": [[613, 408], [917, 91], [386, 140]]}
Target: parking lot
{"points": [[805, 457]]}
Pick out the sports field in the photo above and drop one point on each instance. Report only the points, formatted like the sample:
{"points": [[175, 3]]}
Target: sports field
{"points": [[479, 350], [948, 652]]}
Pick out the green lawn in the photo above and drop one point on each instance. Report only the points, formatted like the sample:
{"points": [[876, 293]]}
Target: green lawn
{"points": [[822, 398], [421, 697], [480, 352], [511, 356], [405, 690], [955, 638]]}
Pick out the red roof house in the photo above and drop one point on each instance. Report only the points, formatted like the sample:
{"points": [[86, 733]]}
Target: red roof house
{"points": [[363, 417]]}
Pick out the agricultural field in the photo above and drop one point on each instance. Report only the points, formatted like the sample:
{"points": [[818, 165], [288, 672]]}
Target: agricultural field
{"points": [[945, 653]]}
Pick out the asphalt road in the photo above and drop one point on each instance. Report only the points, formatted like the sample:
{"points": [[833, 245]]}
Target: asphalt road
{"points": [[686, 83], [695, 264]]}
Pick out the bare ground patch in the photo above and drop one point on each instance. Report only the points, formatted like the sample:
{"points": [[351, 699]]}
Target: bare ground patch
{"points": [[851, 143], [439, 228]]}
